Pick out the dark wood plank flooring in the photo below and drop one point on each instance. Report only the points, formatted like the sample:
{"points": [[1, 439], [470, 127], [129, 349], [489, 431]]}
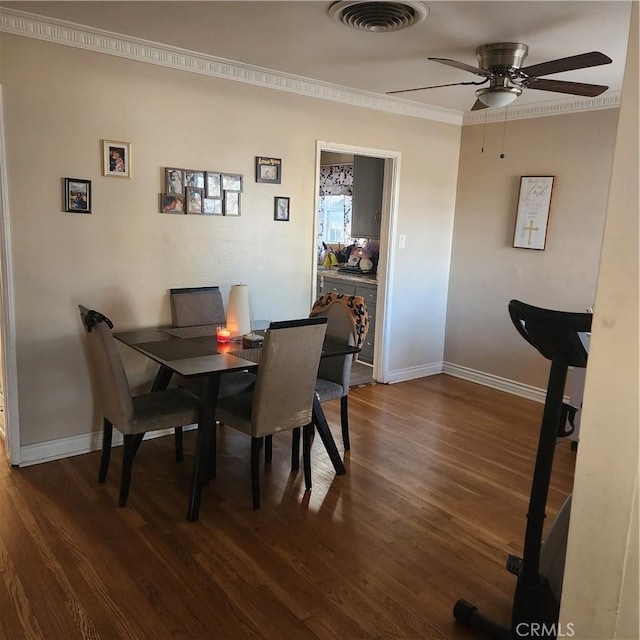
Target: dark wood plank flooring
{"points": [[435, 497]]}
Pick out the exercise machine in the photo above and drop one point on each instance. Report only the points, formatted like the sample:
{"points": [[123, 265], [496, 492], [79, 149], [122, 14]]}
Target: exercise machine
{"points": [[562, 338]]}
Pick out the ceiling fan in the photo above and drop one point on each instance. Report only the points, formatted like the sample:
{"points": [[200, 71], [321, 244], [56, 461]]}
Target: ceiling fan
{"points": [[501, 66]]}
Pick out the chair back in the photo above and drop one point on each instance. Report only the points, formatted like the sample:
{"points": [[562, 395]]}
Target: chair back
{"points": [[339, 328], [196, 306], [285, 384], [109, 374]]}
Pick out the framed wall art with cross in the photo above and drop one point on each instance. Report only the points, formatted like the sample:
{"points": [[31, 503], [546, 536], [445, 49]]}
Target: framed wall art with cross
{"points": [[532, 218]]}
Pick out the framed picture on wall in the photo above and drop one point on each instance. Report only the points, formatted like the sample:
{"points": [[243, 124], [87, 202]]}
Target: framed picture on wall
{"points": [[171, 203], [77, 195], [213, 184], [116, 159], [532, 218], [194, 200], [281, 209], [231, 182], [231, 203], [194, 178], [212, 206], [174, 181], [268, 170]]}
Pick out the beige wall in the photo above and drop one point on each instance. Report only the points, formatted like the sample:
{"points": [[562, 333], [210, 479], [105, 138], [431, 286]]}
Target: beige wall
{"points": [[61, 101], [487, 272], [601, 576]]}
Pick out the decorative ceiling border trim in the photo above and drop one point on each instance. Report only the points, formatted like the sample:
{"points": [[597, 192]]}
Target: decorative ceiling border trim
{"points": [[71, 34], [540, 109], [74, 35]]}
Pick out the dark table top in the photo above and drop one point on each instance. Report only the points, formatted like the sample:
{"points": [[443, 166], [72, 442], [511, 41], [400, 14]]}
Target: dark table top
{"points": [[204, 355]]}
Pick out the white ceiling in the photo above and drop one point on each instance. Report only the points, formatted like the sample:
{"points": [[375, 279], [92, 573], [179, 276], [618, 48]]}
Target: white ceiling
{"points": [[300, 38]]}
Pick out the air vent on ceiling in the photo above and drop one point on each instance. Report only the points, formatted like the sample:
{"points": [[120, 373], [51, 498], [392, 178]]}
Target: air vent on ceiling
{"points": [[378, 16]]}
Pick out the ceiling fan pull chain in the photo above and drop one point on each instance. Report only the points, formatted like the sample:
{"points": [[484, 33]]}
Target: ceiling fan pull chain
{"points": [[504, 133], [484, 129]]}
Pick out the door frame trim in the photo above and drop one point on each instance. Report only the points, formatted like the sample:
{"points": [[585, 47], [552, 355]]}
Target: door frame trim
{"points": [[388, 242], [8, 362]]}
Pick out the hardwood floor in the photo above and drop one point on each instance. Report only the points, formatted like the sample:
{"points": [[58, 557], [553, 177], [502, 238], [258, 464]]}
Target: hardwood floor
{"points": [[434, 498]]}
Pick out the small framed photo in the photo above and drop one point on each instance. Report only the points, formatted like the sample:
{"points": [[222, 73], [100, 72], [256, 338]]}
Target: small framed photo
{"points": [[77, 195], [231, 203], [194, 200], [212, 206], [116, 159], [281, 209], [194, 178], [171, 203], [532, 217], [174, 181], [268, 170], [231, 182], [213, 183]]}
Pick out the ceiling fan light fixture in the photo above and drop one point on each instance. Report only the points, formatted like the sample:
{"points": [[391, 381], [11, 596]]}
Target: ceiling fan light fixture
{"points": [[496, 97]]}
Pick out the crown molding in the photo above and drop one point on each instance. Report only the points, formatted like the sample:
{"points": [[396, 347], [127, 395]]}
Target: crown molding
{"points": [[70, 34], [74, 35], [609, 100]]}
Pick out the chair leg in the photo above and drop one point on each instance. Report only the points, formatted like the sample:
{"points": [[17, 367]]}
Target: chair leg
{"points": [[139, 437], [306, 454], [107, 432], [256, 445], [213, 452], [295, 449], [128, 454], [344, 419], [268, 448], [179, 447]]}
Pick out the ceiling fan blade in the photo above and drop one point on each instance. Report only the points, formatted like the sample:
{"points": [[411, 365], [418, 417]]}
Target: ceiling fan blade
{"points": [[582, 61], [435, 86], [461, 65], [560, 86], [479, 105]]}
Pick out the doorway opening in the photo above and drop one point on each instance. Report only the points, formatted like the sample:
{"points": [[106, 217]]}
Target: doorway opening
{"points": [[338, 230]]}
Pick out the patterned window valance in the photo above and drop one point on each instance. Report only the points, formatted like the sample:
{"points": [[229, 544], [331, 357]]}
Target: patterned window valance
{"points": [[336, 180]]}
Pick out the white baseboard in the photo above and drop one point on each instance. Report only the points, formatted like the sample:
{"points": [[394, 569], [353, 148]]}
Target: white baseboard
{"points": [[495, 382], [77, 445], [87, 442], [411, 373]]}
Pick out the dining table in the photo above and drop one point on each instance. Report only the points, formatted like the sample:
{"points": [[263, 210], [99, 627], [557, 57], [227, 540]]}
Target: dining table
{"points": [[198, 354]]}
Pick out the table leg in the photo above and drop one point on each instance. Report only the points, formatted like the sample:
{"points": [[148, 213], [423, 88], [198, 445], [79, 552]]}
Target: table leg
{"points": [[161, 380], [322, 426], [205, 442]]}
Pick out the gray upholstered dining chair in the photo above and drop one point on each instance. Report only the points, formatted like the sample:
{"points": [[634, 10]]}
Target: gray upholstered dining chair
{"points": [[199, 310], [197, 307], [282, 399], [347, 318], [133, 416]]}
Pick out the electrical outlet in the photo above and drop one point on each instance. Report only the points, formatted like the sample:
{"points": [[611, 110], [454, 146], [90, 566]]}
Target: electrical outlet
{"points": [[402, 241]]}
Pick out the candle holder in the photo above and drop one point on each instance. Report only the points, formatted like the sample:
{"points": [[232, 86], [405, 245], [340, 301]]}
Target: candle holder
{"points": [[223, 334]]}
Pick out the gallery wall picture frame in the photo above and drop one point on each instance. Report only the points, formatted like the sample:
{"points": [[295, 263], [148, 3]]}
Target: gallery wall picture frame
{"points": [[194, 178], [116, 159], [172, 203], [213, 184], [532, 217], [268, 170], [194, 196], [77, 195], [212, 206], [281, 209], [232, 182], [231, 203], [174, 181]]}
